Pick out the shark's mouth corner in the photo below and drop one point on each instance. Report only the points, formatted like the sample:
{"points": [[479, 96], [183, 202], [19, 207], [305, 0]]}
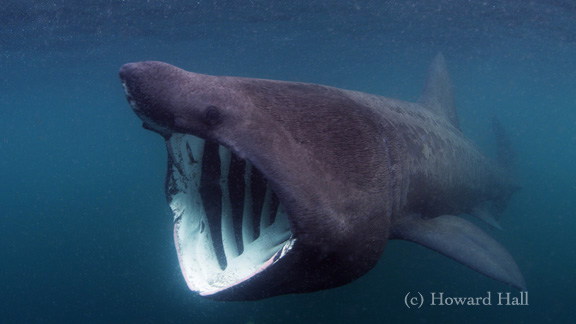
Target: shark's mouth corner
{"points": [[229, 225]]}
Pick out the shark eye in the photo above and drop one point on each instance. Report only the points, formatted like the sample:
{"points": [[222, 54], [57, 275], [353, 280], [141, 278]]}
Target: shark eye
{"points": [[211, 115]]}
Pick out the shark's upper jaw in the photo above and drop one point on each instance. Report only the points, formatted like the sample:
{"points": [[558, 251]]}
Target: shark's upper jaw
{"points": [[228, 224]]}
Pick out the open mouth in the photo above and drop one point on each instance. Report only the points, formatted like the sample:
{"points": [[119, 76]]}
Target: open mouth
{"points": [[229, 225]]}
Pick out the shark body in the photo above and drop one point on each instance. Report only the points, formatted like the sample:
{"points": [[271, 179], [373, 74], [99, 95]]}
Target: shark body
{"points": [[283, 187]]}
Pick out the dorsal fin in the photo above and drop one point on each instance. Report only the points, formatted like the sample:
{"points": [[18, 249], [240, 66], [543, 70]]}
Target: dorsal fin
{"points": [[438, 95]]}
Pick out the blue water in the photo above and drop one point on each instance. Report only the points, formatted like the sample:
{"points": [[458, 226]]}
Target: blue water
{"points": [[85, 231]]}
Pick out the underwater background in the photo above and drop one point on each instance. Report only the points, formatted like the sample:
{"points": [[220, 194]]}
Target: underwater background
{"points": [[85, 230]]}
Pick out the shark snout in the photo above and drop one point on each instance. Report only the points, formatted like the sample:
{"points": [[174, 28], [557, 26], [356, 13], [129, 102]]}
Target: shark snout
{"points": [[132, 76], [128, 76], [126, 70], [148, 94]]}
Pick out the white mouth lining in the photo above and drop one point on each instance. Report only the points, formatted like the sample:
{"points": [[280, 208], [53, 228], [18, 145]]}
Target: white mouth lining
{"points": [[196, 249]]}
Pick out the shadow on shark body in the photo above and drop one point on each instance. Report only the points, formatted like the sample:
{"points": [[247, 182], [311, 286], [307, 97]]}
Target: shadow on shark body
{"points": [[283, 187]]}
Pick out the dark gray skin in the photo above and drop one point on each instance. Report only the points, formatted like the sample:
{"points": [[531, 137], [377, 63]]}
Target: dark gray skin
{"points": [[352, 170]]}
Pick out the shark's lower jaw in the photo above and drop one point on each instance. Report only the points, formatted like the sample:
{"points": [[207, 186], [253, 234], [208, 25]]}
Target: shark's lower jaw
{"points": [[228, 223]]}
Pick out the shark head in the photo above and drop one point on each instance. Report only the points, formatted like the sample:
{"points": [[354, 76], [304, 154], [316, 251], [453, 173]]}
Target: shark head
{"points": [[276, 187]]}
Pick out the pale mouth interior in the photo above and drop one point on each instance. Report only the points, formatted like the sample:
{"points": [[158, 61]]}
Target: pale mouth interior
{"points": [[228, 223]]}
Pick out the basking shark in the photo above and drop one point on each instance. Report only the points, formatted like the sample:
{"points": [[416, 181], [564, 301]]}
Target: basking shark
{"points": [[284, 187]]}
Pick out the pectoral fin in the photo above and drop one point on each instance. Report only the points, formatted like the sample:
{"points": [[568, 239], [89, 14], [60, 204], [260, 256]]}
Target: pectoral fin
{"points": [[464, 242]]}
